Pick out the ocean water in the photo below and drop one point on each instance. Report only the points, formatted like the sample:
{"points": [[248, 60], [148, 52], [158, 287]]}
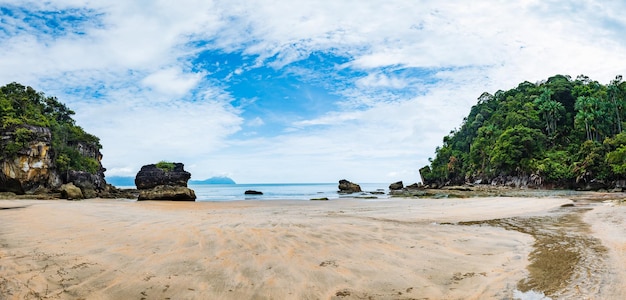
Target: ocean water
{"points": [[273, 191], [276, 191]]}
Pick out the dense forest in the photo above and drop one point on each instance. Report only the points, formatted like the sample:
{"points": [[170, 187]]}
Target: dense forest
{"points": [[21, 107], [562, 131]]}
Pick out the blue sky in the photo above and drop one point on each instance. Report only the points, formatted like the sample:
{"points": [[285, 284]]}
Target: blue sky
{"points": [[268, 91]]}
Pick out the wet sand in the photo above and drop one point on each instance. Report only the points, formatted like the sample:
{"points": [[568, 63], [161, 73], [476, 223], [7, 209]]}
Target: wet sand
{"points": [[478, 248]]}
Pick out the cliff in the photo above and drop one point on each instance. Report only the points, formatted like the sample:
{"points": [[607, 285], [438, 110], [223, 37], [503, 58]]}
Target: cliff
{"points": [[42, 148], [32, 168]]}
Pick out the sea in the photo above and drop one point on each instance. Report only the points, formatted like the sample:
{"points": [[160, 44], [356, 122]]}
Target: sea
{"points": [[281, 191]]}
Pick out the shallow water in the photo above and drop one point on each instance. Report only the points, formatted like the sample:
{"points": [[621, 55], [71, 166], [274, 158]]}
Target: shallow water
{"points": [[293, 191], [566, 261]]}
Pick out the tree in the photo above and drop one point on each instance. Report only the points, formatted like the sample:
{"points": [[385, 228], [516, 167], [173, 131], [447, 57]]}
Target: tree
{"points": [[589, 112], [616, 99], [21, 105], [554, 128], [515, 147], [550, 110]]}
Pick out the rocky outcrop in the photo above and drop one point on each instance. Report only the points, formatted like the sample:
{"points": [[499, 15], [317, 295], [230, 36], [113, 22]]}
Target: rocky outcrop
{"points": [[91, 185], [396, 186], [71, 192], [347, 187], [151, 176], [252, 192], [154, 183], [407, 191], [167, 192], [37, 159], [31, 169]]}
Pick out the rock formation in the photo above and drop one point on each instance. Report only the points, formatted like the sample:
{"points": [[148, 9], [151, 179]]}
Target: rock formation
{"points": [[42, 148], [253, 192], [347, 187], [167, 192], [156, 183], [71, 192], [32, 168], [151, 176], [396, 186]]}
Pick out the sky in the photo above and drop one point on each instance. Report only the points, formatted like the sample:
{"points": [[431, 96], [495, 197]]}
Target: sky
{"points": [[279, 91]]}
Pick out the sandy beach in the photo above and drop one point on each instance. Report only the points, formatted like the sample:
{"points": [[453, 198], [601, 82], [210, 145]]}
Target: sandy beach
{"points": [[478, 248]]}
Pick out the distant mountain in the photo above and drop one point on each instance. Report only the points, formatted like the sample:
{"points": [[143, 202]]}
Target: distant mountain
{"points": [[120, 180], [130, 181], [213, 180]]}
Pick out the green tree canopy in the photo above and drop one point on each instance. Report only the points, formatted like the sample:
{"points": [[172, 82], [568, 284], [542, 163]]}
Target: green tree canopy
{"points": [[21, 105], [561, 129]]}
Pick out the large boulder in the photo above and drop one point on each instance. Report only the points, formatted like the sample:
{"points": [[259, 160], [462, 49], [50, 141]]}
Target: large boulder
{"points": [[151, 176], [167, 192], [347, 187], [396, 186], [164, 183], [92, 185], [71, 192]]}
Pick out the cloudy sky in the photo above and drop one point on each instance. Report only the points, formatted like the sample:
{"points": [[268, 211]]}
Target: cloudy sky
{"points": [[294, 91]]}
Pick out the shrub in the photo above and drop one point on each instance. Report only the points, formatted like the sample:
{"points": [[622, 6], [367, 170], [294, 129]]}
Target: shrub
{"points": [[165, 166]]}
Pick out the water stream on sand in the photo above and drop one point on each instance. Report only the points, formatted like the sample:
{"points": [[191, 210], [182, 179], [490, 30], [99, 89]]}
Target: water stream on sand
{"points": [[566, 262]]}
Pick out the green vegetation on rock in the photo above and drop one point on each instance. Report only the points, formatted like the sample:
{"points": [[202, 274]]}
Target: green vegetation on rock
{"points": [[166, 166], [22, 109], [561, 130]]}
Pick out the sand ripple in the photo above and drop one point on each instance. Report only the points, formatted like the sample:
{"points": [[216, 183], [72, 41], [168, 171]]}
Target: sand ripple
{"points": [[343, 249]]}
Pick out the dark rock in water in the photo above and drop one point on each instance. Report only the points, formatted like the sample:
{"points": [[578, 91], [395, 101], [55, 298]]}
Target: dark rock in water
{"points": [[151, 176], [348, 187], [319, 199], [155, 183], [252, 192], [167, 192], [396, 186]]}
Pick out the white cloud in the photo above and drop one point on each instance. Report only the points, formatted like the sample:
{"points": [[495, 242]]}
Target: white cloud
{"points": [[135, 133], [382, 81], [256, 122], [171, 81], [151, 103]]}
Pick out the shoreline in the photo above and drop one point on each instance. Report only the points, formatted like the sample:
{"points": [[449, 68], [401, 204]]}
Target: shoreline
{"points": [[339, 249]]}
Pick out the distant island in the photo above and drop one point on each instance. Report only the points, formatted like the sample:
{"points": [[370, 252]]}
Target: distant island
{"points": [[130, 181], [214, 180]]}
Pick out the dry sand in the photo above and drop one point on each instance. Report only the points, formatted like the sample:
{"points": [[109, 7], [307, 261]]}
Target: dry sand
{"points": [[338, 249]]}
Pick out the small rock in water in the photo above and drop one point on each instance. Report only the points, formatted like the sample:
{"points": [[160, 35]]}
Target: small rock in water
{"points": [[252, 192], [319, 199]]}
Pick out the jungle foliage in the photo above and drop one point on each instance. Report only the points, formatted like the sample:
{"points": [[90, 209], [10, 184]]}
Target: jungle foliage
{"points": [[21, 105], [561, 129]]}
